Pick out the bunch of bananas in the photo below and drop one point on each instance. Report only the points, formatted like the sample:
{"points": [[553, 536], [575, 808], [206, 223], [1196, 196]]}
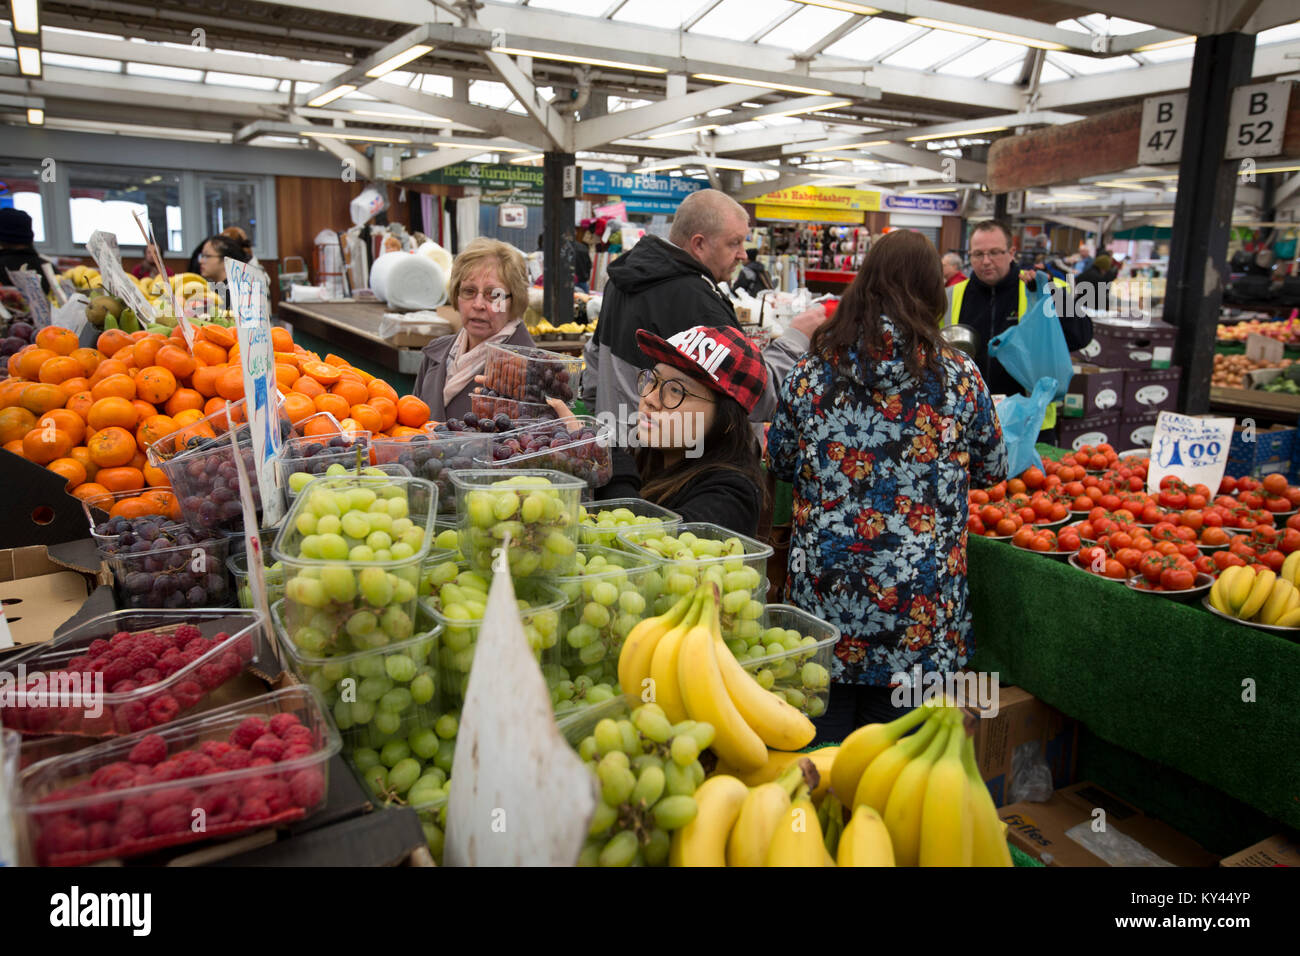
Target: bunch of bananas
{"points": [[680, 661], [1253, 593], [922, 791], [84, 277]]}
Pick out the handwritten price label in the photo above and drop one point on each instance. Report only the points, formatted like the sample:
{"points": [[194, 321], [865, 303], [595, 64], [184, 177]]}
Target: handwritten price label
{"points": [[1194, 450], [254, 330]]}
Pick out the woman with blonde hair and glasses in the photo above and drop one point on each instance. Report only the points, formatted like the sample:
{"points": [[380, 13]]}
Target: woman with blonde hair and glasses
{"points": [[489, 288]]}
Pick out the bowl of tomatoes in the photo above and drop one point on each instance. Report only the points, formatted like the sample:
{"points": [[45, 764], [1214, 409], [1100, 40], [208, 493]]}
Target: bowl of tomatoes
{"points": [[1047, 541], [1092, 559], [1184, 585]]}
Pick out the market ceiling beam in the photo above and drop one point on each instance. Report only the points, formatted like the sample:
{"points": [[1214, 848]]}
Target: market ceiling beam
{"points": [[428, 162], [612, 127], [494, 122], [962, 18], [65, 83], [347, 154], [359, 134], [556, 130], [729, 144], [966, 170], [1198, 16]]}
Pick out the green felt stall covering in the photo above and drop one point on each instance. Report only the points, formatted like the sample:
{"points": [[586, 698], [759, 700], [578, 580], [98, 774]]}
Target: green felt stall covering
{"points": [[1158, 678]]}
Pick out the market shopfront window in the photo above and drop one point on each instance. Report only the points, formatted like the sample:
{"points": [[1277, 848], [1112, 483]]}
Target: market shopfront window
{"points": [[108, 197], [20, 188]]}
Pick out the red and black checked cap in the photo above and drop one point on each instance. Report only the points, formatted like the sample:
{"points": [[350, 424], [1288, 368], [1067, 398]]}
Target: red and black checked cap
{"points": [[723, 358]]}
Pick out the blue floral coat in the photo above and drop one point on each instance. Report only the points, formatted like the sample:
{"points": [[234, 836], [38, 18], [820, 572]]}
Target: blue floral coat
{"points": [[881, 464]]}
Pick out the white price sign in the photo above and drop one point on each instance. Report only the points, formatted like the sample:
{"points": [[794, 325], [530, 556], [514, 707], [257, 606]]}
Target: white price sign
{"points": [[1163, 120], [1257, 120], [252, 308], [1194, 450]]}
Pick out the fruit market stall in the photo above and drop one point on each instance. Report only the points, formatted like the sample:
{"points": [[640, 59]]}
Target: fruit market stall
{"points": [[1091, 619], [352, 327]]}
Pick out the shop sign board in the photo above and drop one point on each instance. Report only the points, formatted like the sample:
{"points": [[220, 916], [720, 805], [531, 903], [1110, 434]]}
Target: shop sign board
{"points": [[1257, 119], [1163, 120], [805, 214], [673, 189], [943, 205], [823, 197], [487, 176]]}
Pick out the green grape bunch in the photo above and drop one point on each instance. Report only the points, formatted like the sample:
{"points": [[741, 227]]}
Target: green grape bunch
{"points": [[600, 523], [782, 660], [647, 770]]}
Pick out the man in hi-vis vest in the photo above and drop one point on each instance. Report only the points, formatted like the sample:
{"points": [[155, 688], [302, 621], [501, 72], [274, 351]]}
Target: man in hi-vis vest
{"points": [[995, 297]]}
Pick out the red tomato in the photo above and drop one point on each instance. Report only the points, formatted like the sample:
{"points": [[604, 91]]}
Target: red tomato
{"points": [[1273, 559], [1027, 515], [1197, 502], [1216, 536], [1192, 518], [1151, 565], [1226, 559], [1006, 527], [1129, 557], [1023, 537], [1275, 484], [974, 525], [1067, 541], [1189, 551], [1276, 504], [1205, 565], [1177, 579], [1151, 513], [978, 497], [1115, 570], [1290, 541], [1212, 518], [1228, 485]]}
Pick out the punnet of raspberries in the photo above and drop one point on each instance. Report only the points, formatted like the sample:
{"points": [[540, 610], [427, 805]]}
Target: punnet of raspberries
{"points": [[178, 796], [125, 668]]}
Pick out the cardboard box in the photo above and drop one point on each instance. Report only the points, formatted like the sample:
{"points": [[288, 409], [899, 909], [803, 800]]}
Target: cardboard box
{"points": [[1074, 433], [39, 592], [1129, 345], [1025, 729], [1277, 850], [1151, 390], [37, 508], [1136, 431], [1271, 451], [1084, 825], [1093, 391]]}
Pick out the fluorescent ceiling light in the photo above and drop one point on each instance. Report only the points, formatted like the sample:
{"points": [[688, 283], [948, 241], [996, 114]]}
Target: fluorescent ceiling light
{"points": [[36, 116], [29, 61], [833, 105], [1143, 179], [572, 58], [1115, 184], [481, 147], [364, 137], [848, 6], [530, 158], [1164, 44], [329, 96], [407, 117], [663, 164], [932, 189], [393, 62], [955, 134], [26, 19], [790, 88], [827, 149], [1279, 169], [1067, 197], [729, 164], [683, 132], [986, 34]]}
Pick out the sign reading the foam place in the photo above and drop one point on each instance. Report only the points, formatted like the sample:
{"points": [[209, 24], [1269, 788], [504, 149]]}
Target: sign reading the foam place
{"points": [[944, 205], [1163, 119], [487, 175], [1194, 450], [823, 197], [1257, 120], [601, 182]]}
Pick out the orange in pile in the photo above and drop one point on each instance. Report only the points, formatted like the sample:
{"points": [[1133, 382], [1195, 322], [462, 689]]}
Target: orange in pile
{"points": [[90, 415]]}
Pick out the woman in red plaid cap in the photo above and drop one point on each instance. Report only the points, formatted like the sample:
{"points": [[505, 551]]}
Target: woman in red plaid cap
{"points": [[697, 454], [882, 430]]}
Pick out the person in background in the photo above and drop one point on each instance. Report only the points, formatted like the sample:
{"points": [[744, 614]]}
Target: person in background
{"points": [[753, 277], [581, 263], [1083, 259], [489, 288], [995, 297], [212, 256], [17, 247], [882, 430], [952, 273], [697, 454], [668, 287], [241, 237], [1092, 290]]}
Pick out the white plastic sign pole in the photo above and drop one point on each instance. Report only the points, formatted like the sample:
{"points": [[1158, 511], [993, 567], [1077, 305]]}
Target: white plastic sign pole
{"points": [[257, 356], [1194, 450], [520, 795]]}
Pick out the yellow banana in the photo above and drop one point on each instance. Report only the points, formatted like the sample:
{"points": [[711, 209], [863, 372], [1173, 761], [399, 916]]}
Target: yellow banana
{"points": [[947, 832], [778, 761], [639, 647], [878, 779], [1289, 619], [798, 837], [1278, 599], [989, 842], [1259, 591], [1217, 600], [907, 799], [780, 725], [863, 746], [663, 667], [758, 818], [865, 841], [1237, 590], [703, 841], [705, 695], [1291, 568]]}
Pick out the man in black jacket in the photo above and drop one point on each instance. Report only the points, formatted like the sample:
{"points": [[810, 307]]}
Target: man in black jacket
{"points": [[666, 288]]}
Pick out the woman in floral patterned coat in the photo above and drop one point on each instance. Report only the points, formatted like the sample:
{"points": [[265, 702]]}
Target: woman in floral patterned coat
{"points": [[882, 429]]}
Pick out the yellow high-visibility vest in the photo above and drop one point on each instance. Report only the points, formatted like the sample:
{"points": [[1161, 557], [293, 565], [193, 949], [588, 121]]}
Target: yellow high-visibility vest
{"points": [[1022, 306]]}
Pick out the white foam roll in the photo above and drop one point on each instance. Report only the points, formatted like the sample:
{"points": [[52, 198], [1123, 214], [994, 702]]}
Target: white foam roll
{"points": [[379, 271], [439, 255], [410, 282]]}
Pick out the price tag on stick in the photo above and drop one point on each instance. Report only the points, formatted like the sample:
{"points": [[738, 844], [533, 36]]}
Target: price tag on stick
{"points": [[253, 545], [1194, 450], [257, 356], [102, 247], [29, 284]]}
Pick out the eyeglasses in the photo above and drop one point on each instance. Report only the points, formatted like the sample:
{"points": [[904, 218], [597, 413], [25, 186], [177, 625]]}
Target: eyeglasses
{"points": [[992, 254], [468, 294], [210, 255], [671, 392]]}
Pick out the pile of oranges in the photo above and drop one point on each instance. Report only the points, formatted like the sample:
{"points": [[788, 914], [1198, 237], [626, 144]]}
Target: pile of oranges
{"points": [[91, 414]]}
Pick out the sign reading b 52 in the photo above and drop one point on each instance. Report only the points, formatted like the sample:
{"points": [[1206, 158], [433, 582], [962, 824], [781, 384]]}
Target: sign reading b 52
{"points": [[1257, 120]]}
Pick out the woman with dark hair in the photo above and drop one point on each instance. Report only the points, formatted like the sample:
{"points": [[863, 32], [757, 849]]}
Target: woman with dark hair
{"points": [[697, 452], [882, 429], [212, 256]]}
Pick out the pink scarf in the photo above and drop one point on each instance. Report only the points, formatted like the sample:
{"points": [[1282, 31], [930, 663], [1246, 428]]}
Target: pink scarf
{"points": [[464, 363]]}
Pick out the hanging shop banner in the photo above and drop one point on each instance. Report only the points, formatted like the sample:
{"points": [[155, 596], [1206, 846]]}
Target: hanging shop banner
{"points": [[615, 210], [1194, 450], [601, 182], [823, 197], [806, 214], [943, 205], [486, 175]]}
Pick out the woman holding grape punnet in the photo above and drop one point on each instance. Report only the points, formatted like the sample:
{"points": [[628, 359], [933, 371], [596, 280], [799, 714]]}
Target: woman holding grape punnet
{"points": [[489, 288], [882, 430], [697, 454]]}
